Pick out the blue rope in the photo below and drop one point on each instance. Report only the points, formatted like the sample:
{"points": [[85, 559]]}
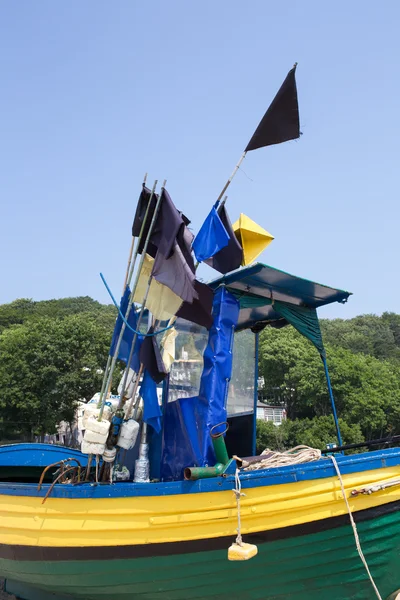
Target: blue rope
{"points": [[123, 318]]}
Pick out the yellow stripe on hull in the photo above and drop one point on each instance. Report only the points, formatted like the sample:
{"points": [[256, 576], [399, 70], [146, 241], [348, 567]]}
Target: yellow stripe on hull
{"points": [[60, 522]]}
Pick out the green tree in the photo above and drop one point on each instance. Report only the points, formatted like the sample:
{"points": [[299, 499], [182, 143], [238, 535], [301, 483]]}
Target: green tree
{"points": [[46, 366], [23, 310], [366, 390], [316, 432], [366, 334]]}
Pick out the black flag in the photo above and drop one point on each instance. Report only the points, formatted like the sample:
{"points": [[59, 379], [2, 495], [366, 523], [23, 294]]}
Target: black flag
{"points": [[281, 121], [141, 209], [229, 258], [166, 228]]}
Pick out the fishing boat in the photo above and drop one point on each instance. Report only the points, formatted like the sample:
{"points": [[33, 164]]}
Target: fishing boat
{"points": [[170, 539], [199, 515]]}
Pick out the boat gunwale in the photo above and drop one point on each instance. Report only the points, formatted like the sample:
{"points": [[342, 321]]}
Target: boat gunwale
{"points": [[321, 469]]}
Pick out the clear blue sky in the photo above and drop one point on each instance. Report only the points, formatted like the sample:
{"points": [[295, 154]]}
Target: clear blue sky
{"points": [[95, 93]]}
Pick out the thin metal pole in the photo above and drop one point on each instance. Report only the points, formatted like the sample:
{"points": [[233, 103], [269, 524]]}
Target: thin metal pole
{"points": [[328, 381], [256, 344], [146, 294], [103, 385], [128, 278], [223, 202], [382, 441], [128, 310], [131, 265], [235, 170], [134, 392]]}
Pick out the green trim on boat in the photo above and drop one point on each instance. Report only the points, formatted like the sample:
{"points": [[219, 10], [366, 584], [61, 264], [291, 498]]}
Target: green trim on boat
{"points": [[318, 566]]}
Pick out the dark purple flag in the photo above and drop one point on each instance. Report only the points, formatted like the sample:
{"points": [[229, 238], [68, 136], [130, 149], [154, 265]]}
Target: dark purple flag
{"points": [[281, 121], [178, 271], [176, 274], [200, 310], [150, 357]]}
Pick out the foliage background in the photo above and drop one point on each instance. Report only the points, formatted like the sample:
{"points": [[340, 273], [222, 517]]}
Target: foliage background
{"points": [[364, 363], [52, 354]]}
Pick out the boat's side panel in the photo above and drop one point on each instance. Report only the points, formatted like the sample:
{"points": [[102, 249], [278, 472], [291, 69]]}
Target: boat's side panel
{"points": [[142, 521], [320, 469], [309, 566], [37, 455]]}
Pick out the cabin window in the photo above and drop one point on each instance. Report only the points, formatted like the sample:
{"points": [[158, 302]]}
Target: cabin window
{"points": [[241, 388], [186, 371]]}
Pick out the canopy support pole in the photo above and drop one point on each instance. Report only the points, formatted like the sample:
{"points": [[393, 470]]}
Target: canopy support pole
{"points": [[256, 345], [328, 381]]}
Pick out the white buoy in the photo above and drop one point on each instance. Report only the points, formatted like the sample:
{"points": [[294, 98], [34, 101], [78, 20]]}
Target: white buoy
{"points": [[128, 434], [92, 448]]}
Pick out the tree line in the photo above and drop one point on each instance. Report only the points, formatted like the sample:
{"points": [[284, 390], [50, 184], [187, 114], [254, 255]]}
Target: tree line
{"points": [[52, 354], [363, 356]]}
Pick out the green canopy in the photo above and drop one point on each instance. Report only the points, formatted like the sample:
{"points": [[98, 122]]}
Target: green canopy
{"points": [[269, 296], [305, 320]]}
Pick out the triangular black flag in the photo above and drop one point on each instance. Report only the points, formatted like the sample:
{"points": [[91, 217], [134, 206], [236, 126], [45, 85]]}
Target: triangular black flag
{"points": [[281, 121]]}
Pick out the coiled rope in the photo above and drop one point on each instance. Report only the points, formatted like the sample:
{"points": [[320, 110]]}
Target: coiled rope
{"points": [[295, 456]]}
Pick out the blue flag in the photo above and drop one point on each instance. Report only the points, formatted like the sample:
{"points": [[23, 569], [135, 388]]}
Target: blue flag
{"points": [[152, 411], [126, 343], [211, 238]]}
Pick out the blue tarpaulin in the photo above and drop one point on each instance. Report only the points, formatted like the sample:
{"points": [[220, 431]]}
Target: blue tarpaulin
{"points": [[187, 421], [151, 409]]}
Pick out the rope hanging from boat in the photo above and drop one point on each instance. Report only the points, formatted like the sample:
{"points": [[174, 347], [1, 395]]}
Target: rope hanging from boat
{"points": [[239, 550], [295, 456], [355, 532], [238, 493]]}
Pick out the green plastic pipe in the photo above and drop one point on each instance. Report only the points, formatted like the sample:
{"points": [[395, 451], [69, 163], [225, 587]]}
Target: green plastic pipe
{"points": [[221, 453], [193, 473]]}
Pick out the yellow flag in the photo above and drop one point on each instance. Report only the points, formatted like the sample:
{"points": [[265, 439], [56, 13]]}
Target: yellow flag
{"points": [[253, 238], [161, 301]]}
